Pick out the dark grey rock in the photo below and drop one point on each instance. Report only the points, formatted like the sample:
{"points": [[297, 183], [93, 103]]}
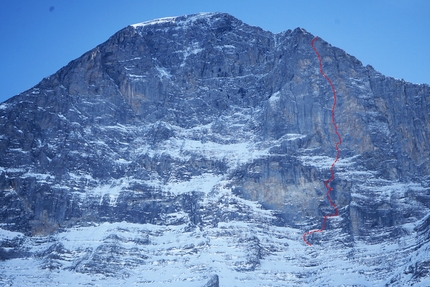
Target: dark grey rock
{"points": [[213, 281]]}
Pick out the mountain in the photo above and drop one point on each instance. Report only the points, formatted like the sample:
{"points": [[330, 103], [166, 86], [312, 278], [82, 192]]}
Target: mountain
{"points": [[193, 150]]}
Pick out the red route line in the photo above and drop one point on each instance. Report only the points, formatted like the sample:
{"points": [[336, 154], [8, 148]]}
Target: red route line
{"points": [[327, 182]]}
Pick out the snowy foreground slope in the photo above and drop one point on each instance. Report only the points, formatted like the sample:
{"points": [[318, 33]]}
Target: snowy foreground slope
{"points": [[233, 254], [192, 151]]}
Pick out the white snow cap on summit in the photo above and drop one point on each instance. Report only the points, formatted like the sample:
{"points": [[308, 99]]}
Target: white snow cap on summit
{"points": [[185, 19]]}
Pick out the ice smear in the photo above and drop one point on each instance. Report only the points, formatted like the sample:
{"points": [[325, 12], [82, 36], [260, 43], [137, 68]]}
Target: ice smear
{"points": [[102, 192], [163, 73], [274, 99]]}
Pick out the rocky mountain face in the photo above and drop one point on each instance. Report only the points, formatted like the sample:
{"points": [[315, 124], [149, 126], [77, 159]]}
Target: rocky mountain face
{"points": [[192, 151]]}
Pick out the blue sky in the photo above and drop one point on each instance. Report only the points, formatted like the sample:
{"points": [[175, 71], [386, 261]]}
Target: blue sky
{"points": [[38, 37]]}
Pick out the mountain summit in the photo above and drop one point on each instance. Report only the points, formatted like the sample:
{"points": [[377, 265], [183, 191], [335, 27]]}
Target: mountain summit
{"points": [[192, 151]]}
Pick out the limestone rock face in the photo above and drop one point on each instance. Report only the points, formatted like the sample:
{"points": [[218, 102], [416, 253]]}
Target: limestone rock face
{"points": [[219, 134]]}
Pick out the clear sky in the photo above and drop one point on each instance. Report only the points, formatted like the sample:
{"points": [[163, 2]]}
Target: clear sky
{"points": [[38, 37]]}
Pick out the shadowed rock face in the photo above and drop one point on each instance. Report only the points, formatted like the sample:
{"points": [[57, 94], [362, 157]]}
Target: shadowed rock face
{"points": [[190, 120]]}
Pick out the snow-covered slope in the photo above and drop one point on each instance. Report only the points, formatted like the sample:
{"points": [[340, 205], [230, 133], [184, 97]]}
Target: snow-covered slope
{"points": [[192, 151]]}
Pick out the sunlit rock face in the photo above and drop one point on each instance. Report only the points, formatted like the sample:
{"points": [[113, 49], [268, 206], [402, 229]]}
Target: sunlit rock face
{"points": [[194, 149]]}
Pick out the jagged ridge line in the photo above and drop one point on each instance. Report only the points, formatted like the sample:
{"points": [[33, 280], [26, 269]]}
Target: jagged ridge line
{"points": [[327, 182]]}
